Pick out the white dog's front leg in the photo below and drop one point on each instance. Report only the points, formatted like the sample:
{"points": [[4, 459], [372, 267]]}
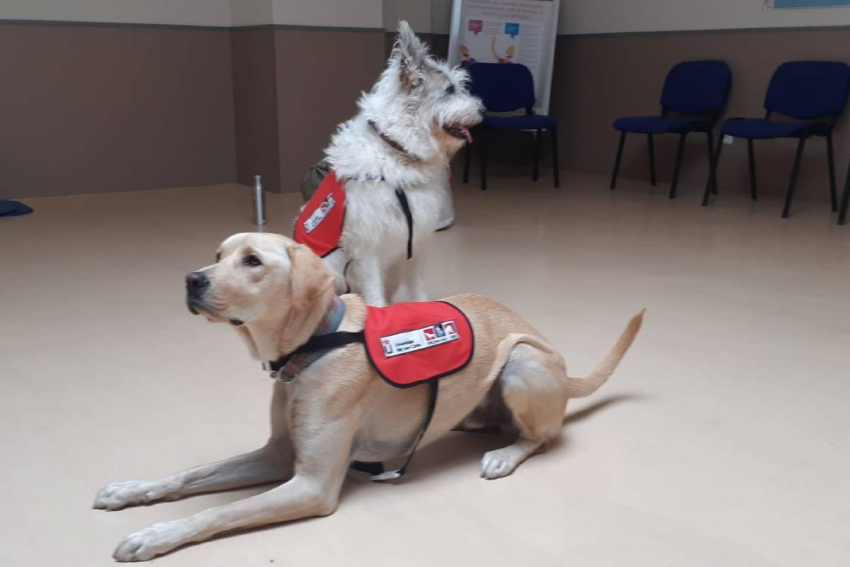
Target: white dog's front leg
{"points": [[367, 279], [414, 285], [336, 262], [312, 491], [271, 463]]}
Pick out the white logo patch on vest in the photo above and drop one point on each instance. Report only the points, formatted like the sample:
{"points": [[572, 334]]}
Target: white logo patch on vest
{"points": [[319, 214], [426, 337]]}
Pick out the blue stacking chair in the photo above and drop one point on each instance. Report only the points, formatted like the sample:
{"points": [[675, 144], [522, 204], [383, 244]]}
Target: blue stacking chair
{"points": [[507, 88], [813, 94], [693, 97]]}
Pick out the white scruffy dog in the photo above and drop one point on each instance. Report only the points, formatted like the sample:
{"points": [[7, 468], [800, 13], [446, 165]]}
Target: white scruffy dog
{"points": [[415, 118]]}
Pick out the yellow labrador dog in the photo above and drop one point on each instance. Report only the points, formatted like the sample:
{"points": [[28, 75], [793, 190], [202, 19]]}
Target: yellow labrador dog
{"points": [[337, 409]]}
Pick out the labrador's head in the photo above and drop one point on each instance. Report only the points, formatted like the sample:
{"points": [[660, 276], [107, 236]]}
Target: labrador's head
{"points": [[258, 278]]}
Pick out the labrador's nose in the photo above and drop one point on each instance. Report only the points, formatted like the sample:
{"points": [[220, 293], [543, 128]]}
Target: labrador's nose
{"points": [[196, 282]]}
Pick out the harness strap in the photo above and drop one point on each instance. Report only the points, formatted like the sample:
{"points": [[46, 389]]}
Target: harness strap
{"points": [[405, 208], [345, 276], [376, 470]]}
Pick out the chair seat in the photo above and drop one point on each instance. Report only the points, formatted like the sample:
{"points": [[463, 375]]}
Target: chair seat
{"points": [[523, 122], [760, 129], [651, 125]]}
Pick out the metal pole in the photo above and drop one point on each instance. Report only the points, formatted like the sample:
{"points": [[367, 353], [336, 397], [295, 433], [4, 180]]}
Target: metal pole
{"points": [[259, 202]]}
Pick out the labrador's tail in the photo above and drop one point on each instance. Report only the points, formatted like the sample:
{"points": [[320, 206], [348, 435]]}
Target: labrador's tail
{"points": [[582, 387]]}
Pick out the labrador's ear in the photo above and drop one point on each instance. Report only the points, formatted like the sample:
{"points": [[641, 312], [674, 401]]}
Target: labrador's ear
{"points": [[310, 278]]}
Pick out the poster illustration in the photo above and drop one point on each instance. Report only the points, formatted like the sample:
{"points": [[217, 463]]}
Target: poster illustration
{"points": [[506, 32]]}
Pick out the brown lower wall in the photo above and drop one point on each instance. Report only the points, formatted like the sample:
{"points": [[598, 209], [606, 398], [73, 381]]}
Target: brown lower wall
{"points": [[292, 88], [105, 108], [320, 75], [255, 98], [599, 78], [87, 109]]}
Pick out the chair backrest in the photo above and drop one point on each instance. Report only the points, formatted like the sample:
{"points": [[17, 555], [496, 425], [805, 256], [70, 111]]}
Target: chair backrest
{"points": [[697, 87], [502, 87], [808, 89]]}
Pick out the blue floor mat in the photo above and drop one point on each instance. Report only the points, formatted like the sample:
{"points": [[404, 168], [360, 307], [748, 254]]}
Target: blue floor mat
{"points": [[13, 209]]}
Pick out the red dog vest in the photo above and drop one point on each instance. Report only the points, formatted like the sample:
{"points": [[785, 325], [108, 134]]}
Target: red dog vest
{"points": [[412, 343], [319, 225]]}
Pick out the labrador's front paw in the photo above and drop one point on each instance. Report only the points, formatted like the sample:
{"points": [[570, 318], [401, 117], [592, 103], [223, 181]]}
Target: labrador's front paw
{"points": [[153, 540], [119, 495]]}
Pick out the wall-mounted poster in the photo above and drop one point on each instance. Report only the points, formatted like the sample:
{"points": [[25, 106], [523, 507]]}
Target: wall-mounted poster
{"points": [[785, 4], [507, 32]]}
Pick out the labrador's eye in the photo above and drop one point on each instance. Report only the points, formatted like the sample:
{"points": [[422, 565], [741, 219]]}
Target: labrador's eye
{"points": [[253, 260], [450, 90]]}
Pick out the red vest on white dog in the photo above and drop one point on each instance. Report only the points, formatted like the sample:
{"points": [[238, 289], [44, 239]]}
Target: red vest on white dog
{"points": [[319, 225]]}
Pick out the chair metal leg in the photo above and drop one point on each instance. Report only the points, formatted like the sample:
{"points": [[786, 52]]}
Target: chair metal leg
{"points": [[709, 136], [536, 155], [711, 186], [833, 193], [482, 143], [467, 157], [555, 158], [651, 145], [794, 172], [752, 154], [845, 201], [717, 154], [617, 161], [679, 155]]}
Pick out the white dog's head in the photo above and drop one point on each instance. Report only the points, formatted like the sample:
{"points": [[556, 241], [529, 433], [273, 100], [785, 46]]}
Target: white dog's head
{"points": [[262, 282], [420, 106]]}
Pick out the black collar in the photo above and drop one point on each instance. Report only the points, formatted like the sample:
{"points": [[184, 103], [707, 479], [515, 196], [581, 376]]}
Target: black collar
{"points": [[392, 143]]}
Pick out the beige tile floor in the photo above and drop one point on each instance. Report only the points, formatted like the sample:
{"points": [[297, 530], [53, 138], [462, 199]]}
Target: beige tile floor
{"points": [[722, 440]]}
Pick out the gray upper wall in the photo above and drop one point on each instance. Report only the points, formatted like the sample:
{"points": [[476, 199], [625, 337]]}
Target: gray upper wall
{"points": [[426, 16], [218, 13], [630, 16], [168, 12]]}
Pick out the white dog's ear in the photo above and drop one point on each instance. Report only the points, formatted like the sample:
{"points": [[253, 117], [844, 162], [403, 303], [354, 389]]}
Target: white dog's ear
{"points": [[409, 53], [310, 278]]}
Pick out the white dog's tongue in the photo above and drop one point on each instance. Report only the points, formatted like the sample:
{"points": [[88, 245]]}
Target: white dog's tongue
{"points": [[466, 133]]}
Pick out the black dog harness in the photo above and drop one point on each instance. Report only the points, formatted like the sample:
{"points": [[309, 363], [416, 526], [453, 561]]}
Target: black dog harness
{"points": [[408, 216]]}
